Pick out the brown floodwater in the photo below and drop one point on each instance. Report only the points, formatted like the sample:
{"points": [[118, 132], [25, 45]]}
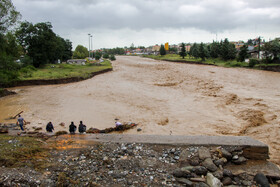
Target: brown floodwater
{"points": [[163, 98]]}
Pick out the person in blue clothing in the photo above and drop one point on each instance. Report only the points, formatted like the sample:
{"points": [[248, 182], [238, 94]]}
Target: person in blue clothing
{"points": [[21, 122]]}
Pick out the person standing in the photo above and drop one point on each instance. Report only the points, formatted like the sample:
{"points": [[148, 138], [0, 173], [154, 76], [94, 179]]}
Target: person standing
{"points": [[72, 128], [49, 127], [21, 122]]}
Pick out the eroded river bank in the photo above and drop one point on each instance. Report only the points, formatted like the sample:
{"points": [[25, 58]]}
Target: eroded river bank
{"points": [[163, 98]]}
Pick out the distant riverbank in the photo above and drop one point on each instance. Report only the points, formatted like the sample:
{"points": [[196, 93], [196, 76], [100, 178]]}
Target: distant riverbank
{"points": [[214, 62], [58, 74]]}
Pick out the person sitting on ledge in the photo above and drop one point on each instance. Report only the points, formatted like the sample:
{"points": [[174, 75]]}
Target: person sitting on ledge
{"points": [[118, 124], [72, 128], [49, 127], [82, 127]]}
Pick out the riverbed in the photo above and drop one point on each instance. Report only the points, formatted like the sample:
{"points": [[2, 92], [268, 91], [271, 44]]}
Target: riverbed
{"points": [[162, 98]]}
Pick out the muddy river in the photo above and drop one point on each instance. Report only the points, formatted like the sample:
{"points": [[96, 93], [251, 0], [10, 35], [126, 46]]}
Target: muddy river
{"points": [[163, 98]]}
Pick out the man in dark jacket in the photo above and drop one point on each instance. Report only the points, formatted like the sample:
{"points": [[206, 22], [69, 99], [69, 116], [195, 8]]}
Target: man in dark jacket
{"points": [[49, 127], [82, 127], [72, 128]]}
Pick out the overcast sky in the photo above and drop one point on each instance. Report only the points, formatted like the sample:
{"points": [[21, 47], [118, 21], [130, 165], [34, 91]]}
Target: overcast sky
{"points": [[119, 23]]}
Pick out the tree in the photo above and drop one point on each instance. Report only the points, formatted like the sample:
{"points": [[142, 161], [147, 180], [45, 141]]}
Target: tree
{"points": [[162, 50], [243, 53], [214, 50], [80, 52], [183, 52], [228, 50], [97, 55], [106, 55], [202, 51], [8, 15], [41, 44], [194, 51]]}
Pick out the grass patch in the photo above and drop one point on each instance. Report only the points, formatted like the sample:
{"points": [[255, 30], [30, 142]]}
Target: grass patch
{"points": [[209, 61], [58, 71], [21, 151]]}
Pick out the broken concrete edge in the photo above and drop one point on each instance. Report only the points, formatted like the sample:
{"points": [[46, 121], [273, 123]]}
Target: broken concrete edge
{"points": [[253, 149]]}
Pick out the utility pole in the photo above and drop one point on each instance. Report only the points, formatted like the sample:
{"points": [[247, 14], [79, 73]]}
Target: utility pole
{"points": [[89, 45], [259, 47]]}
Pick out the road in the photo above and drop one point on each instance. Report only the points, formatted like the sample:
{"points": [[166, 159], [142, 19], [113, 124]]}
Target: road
{"points": [[163, 98]]}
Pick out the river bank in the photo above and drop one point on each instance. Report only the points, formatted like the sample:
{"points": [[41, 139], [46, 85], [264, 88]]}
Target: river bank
{"points": [[162, 98], [214, 62], [70, 161]]}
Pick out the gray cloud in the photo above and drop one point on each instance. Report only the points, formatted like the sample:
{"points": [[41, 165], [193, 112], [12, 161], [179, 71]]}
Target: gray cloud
{"points": [[211, 16]]}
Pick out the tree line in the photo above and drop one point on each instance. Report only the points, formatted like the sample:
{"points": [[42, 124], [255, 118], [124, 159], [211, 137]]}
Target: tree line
{"points": [[227, 51], [31, 44]]}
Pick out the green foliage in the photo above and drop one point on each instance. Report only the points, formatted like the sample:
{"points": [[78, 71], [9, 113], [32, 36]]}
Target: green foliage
{"points": [[97, 55], [183, 52], [253, 62], [214, 50], [57, 71], [228, 51], [106, 55], [18, 151], [80, 52], [41, 44], [162, 50], [272, 51], [203, 52], [8, 15], [112, 57], [243, 53], [194, 51]]}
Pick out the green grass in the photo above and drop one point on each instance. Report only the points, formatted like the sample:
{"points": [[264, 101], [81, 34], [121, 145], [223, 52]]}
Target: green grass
{"points": [[57, 71], [21, 151], [210, 61]]}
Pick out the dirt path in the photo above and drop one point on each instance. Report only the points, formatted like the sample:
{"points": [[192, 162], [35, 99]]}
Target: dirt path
{"points": [[164, 98]]}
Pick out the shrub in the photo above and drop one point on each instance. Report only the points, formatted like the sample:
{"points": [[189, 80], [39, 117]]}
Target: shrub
{"points": [[253, 62], [97, 56], [106, 55], [112, 57]]}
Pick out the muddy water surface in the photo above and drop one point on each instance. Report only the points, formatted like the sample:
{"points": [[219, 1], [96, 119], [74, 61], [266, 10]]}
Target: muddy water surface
{"points": [[163, 98]]}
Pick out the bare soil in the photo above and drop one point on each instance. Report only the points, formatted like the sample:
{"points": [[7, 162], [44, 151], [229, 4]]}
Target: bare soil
{"points": [[163, 98]]}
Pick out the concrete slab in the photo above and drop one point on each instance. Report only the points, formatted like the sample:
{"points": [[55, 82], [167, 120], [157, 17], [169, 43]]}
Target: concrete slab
{"points": [[253, 149]]}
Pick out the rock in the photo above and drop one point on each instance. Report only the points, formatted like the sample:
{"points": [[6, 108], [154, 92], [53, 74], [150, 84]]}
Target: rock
{"points": [[218, 174], [200, 170], [187, 168], [194, 161], [235, 157], [4, 130], [226, 154], [200, 184], [139, 129], [203, 153], [226, 181], [240, 160], [221, 162], [208, 163], [213, 181], [198, 179], [185, 181], [261, 179], [227, 173], [181, 173]]}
